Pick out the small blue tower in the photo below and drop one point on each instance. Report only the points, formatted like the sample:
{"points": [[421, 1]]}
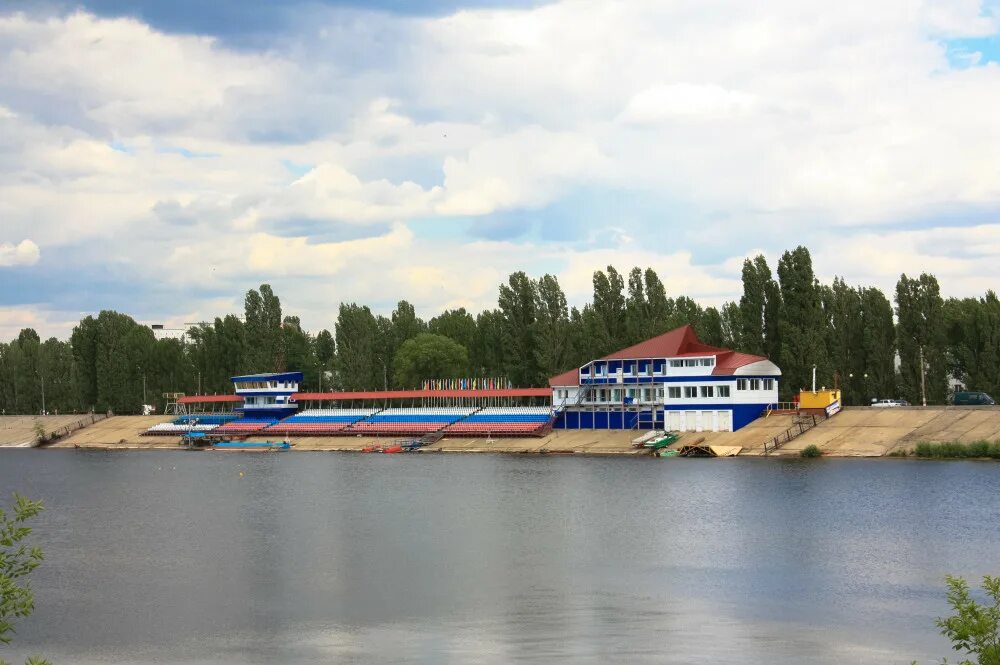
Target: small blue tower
{"points": [[268, 396]]}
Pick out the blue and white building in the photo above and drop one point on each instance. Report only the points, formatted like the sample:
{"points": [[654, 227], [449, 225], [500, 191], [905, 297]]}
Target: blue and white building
{"points": [[268, 396], [672, 381]]}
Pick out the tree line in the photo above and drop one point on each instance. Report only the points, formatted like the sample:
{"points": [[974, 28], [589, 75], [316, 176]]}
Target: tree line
{"points": [[855, 336]]}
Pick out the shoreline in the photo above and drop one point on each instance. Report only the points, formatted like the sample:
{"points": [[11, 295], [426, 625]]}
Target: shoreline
{"points": [[855, 432]]}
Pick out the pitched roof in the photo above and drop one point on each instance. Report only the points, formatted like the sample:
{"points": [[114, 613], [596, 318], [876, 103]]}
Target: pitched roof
{"points": [[676, 342], [570, 378], [728, 362]]}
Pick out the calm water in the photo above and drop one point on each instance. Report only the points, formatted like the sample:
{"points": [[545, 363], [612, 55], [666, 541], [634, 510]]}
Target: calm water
{"points": [[173, 557]]}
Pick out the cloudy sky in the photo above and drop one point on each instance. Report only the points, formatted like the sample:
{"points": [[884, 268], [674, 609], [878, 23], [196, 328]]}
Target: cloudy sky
{"points": [[160, 158]]}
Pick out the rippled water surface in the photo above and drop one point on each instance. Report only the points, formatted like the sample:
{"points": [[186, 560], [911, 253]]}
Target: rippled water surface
{"points": [[177, 557]]}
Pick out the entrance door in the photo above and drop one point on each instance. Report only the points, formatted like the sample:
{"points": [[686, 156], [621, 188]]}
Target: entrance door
{"points": [[690, 421], [725, 421], [674, 421]]}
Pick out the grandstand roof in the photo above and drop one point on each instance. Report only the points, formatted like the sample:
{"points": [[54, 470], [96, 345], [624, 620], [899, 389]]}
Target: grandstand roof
{"points": [[417, 394], [205, 399], [273, 376], [676, 343]]}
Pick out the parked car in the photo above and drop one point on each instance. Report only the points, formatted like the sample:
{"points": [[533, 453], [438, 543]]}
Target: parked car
{"points": [[966, 398], [888, 403]]}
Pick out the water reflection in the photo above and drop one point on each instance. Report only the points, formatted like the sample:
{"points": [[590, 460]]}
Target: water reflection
{"points": [[312, 558]]}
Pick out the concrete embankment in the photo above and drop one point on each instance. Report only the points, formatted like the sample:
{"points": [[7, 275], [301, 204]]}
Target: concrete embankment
{"points": [[856, 431]]}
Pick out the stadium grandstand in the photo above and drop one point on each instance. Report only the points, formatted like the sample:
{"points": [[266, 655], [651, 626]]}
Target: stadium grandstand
{"points": [[672, 382]]}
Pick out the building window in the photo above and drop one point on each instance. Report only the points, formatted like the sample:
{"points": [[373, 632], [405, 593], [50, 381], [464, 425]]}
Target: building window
{"points": [[677, 363], [674, 392], [690, 362], [754, 384], [741, 384], [707, 362], [768, 384], [723, 391], [690, 392], [707, 391]]}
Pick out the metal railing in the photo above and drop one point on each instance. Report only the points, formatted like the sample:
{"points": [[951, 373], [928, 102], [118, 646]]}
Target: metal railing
{"points": [[803, 425]]}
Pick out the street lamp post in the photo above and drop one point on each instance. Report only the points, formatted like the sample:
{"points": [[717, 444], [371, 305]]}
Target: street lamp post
{"points": [[42, 378]]}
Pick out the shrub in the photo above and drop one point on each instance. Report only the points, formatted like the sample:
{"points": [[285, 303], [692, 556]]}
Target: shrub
{"points": [[39, 430], [898, 452], [811, 451], [957, 449]]}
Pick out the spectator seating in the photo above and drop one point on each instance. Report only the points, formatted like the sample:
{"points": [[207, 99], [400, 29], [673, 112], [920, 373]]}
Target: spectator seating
{"points": [[244, 426], [504, 421], [193, 422], [410, 421], [319, 422]]}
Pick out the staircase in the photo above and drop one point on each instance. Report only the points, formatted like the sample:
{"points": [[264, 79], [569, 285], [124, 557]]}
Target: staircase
{"points": [[802, 425]]}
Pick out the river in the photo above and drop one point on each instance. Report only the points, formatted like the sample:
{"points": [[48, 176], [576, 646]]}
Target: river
{"points": [[208, 557]]}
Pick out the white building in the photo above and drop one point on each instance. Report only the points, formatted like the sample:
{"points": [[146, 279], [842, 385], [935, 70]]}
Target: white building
{"points": [[671, 382]]}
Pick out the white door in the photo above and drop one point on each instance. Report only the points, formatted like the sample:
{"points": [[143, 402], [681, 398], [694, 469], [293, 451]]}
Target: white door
{"points": [[725, 421], [690, 421], [674, 421]]}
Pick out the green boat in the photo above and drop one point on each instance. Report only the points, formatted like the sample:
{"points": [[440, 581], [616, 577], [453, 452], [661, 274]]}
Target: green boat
{"points": [[666, 453], [662, 442]]}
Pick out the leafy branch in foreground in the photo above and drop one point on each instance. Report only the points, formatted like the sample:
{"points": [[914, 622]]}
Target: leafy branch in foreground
{"points": [[17, 560], [974, 628]]}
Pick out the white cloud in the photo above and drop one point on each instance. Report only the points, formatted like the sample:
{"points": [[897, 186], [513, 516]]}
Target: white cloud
{"points": [[789, 122], [25, 253]]}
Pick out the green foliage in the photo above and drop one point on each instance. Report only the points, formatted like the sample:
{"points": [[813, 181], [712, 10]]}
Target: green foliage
{"points": [[263, 349], [957, 449], [811, 451], [921, 331], [802, 326], [974, 628], [17, 560], [899, 452], [357, 335], [39, 430], [429, 356]]}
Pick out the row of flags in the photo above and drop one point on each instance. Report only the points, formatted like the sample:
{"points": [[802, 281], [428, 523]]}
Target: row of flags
{"points": [[486, 383]]}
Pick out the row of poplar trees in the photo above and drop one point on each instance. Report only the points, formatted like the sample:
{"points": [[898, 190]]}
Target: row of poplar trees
{"points": [[855, 337]]}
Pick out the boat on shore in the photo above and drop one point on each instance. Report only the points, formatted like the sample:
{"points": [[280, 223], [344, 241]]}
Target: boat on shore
{"points": [[251, 445]]}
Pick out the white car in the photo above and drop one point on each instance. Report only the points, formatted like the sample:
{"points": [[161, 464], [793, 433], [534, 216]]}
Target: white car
{"points": [[888, 403]]}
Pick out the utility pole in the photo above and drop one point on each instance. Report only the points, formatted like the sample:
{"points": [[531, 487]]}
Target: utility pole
{"points": [[144, 389], [923, 381], [43, 392], [199, 382]]}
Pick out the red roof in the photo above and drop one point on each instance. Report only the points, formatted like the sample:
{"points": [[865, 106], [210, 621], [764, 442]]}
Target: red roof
{"points": [[204, 399], [416, 394], [728, 362], [677, 343], [570, 378]]}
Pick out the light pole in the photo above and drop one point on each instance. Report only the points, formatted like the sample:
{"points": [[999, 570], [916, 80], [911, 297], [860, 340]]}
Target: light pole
{"points": [[42, 378]]}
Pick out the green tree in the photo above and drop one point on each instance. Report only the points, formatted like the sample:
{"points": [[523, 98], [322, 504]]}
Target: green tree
{"points": [[300, 353], [17, 561], [518, 307], [455, 324], [802, 327], [974, 629], [428, 356], [552, 328], [356, 362], [263, 337], [973, 341], [921, 334], [731, 326], [488, 355], [845, 338], [756, 274], [609, 306], [879, 344]]}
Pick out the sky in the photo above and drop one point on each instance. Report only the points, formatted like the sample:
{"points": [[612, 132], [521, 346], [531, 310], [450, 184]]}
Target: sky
{"points": [[161, 158]]}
